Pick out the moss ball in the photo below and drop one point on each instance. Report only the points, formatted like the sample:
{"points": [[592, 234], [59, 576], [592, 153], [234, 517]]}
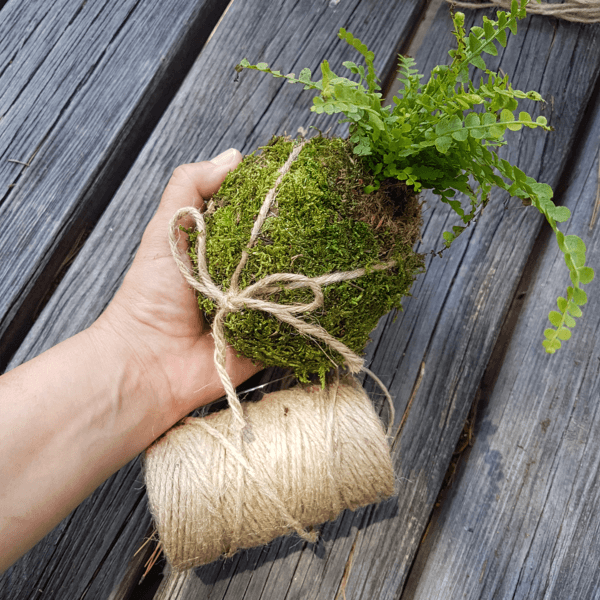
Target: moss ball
{"points": [[321, 222]]}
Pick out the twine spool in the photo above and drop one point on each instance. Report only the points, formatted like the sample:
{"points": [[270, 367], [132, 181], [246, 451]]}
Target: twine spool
{"points": [[253, 472], [307, 454], [576, 11]]}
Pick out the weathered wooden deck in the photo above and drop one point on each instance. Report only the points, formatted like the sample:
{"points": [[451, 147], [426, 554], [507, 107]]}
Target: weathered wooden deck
{"points": [[100, 101]]}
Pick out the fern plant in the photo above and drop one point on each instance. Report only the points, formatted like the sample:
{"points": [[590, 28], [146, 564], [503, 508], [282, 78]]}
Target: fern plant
{"points": [[443, 134]]}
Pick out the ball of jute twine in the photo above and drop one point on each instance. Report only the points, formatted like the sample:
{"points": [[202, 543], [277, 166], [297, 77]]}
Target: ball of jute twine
{"points": [[257, 471], [577, 11], [308, 453]]}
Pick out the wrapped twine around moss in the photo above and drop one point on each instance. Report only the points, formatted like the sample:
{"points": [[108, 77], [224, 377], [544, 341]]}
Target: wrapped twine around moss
{"points": [[577, 11], [256, 471]]}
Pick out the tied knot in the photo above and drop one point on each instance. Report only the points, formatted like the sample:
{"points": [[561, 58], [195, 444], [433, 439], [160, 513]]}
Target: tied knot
{"points": [[231, 302], [253, 296]]}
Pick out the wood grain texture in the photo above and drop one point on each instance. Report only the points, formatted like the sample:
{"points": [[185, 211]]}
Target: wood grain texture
{"points": [[456, 310], [451, 322], [81, 86], [209, 114], [522, 518]]}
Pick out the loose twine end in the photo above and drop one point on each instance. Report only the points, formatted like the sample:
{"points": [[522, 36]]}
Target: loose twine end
{"points": [[576, 11]]}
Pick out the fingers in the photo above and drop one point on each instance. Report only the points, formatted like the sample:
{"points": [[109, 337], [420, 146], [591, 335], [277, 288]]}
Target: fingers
{"points": [[191, 184]]}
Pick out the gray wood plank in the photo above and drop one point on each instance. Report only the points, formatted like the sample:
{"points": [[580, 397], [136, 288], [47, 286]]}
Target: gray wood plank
{"points": [[450, 324], [209, 114], [455, 342], [81, 86], [522, 518], [457, 309]]}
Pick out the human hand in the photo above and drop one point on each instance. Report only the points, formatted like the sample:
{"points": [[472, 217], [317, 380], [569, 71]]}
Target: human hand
{"points": [[156, 313]]}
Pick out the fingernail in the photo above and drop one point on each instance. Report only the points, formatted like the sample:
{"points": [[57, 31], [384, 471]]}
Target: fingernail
{"points": [[225, 157]]}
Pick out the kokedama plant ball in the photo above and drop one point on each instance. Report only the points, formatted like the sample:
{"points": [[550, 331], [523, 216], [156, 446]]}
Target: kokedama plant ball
{"points": [[322, 221], [352, 204]]}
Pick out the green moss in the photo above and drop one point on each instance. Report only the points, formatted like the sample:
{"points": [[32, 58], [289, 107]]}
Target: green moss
{"points": [[322, 222]]}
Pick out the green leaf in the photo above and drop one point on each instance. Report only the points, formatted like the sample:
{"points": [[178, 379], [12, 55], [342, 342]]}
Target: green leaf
{"points": [[455, 123], [488, 28], [448, 237], [542, 190], [555, 318], [574, 243], [569, 320], [524, 116], [460, 135], [541, 120], [507, 117], [305, 76], [579, 296], [559, 213], [376, 121], [473, 124], [507, 169], [490, 48], [533, 96], [551, 345], [477, 133], [519, 177], [496, 132], [443, 143], [575, 310], [512, 104], [502, 37], [474, 98], [478, 62], [472, 120], [448, 124], [488, 119], [563, 334], [562, 304], [474, 43], [586, 275]]}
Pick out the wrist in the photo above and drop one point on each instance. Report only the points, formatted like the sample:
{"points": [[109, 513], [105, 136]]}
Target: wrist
{"points": [[133, 381]]}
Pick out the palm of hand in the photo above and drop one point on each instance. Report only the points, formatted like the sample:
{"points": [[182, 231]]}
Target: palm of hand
{"points": [[157, 312]]}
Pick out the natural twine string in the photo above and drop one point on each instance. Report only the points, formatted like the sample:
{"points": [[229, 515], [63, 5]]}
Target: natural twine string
{"points": [[577, 11], [308, 454], [252, 475]]}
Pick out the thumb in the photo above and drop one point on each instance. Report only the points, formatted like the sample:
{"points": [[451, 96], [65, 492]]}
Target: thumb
{"points": [[190, 185], [193, 183]]}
